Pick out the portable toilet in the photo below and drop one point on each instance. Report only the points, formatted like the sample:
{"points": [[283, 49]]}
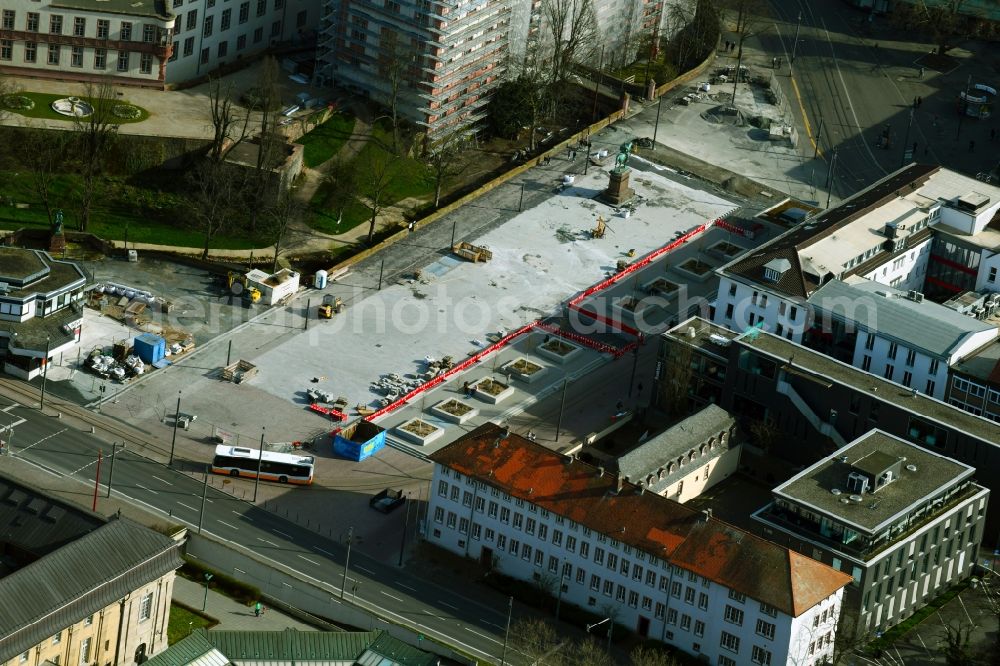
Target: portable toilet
{"points": [[320, 280], [150, 348]]}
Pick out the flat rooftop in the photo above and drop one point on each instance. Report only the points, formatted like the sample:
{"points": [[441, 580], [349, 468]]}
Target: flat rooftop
{"points": [[918, 404], [29, 272], [703, 335], [151, 8], [823, 486], [983, 365]]}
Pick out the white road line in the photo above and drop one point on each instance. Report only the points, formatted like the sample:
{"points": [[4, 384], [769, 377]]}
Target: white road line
{"points": [[406, 587], [327, 553], [187, 506], [161, 480], [361, 568], [139, 485], [228, 525], [447, 605], [268, 542], [489, 638], [391, 596], [22, 450], [492, 624], [241, 516], [308, 560], [287, 536]]}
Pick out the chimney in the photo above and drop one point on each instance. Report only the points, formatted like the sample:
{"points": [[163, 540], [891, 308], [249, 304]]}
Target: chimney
{"points": [[621, 481], [706, 514]]}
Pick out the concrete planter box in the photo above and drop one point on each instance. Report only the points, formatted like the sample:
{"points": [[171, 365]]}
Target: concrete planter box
{"points": [[559, 350], [418, 431], [454, 410], [497, 392], [523, 369]]}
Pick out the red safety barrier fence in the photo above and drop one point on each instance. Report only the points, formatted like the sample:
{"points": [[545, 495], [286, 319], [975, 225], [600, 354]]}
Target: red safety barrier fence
{"points": [[573, 304]]}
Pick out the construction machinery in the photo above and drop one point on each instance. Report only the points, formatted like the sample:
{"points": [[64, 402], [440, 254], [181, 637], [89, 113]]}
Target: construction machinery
{"points": [[473, 253], [331, 304], [250, 293]]}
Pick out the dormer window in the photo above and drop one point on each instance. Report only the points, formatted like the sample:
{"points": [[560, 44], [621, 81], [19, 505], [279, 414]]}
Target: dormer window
{"points": [[775, 269]]}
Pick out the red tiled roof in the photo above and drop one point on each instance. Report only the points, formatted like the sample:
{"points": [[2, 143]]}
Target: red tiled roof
{"points": [[659, 526]]}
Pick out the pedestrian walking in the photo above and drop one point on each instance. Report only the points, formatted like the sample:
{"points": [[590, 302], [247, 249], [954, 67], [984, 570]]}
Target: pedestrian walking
{"points": [[572, 155], [258, 609], [774, 63], [921, 72], [468, 389], [972, 146]]}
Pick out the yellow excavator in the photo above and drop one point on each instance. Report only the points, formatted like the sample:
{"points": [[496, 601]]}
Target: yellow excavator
{"points": [[250, 294]]}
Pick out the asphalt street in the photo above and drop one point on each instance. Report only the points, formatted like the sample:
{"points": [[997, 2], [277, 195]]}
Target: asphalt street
{"points": [[47, 441]]}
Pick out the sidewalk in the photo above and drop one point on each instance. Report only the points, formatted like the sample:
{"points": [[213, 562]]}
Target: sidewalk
{"points": [[231, 614]]}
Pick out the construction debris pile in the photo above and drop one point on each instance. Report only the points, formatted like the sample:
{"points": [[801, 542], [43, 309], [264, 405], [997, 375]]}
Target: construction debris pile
{"points": [[392, 386], [110, 367]]}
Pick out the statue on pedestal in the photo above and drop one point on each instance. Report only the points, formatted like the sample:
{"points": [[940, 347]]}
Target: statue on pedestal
{"points": [[57, 243]]}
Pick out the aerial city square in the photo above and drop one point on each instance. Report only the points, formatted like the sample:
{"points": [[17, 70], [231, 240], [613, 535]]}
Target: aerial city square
{"points": [[454, 332]]}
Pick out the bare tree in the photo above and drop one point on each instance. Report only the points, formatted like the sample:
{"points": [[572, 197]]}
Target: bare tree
{"points": [[442, 155], [43, 152], [396, 63], [569, 33], [589, 652], [940, 19], [377, 176], [230, 122], [269, 140], [280, 215], [956, 644], [643, 655], [95, 134], [339, 183], [210, 202], [537, 639]]}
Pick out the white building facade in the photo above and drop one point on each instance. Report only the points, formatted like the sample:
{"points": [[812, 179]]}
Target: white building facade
{"points": [[666, 597]]}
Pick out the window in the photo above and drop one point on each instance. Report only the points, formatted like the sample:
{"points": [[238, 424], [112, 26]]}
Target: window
{"points": [[85, 651], [126, 33], [612, 561], [178, 3], [207, 30], [244, 12], [452, 519], [504, 515], [760, 656], [463, 525], [553, 563], [888, 371], [609, 588], [571, 544], [6, 49], [276, 28], [689, 595], [911, 356], [57, 639], [55, 24], [189, 46], [765, 629], [730, 642], [866, 362], [543, 532], [870, 342], [227, 17], [729, 311], [79, 26], [146, 63], [89, 621], [633, 599], [993, 274], [301, 19], [30, 52], [258, 35], [737, 596], [595, 581], [148, 34], [734, 615], [76, 57], [192, 19], [929, 389], [933, 368], [893, 350], [686, 622], [770, 611], [672, 616], [675, 589], [261, 7], [8, 19], [907, 378], [100, 58], [795, 312], [703, 601], [515, 545], [32, 25], [477, 531], [23, 658]]}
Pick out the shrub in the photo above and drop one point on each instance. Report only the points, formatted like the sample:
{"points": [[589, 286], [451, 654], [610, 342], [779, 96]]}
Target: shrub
{"points": [[19, 102], [126, 111]]}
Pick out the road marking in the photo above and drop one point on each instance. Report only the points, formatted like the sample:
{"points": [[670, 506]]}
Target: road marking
{"points": [[228, 525], [186, 506], [361, 568], [391, 596], [139, 485], [327, 553], [242, 516], [446, 604], [406, 587], [805, 118], [287, 536], [161, 480], [22, 450], [483, 635], [492, 624], [308, 560], [268, 542]]}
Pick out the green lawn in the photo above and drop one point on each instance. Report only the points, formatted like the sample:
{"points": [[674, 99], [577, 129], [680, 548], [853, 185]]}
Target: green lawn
{"points": [[183, 622], [42, 108], [151, 220], [327, 139]]}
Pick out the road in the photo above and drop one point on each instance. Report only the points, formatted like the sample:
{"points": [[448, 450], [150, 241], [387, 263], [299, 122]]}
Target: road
{"points": [[49, 442]]}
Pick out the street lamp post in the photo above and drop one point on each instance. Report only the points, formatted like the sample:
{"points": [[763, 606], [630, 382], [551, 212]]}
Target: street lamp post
{"points": [[562, 581], [829, 180], [111, 472], [204, 602], [611, 625], [45, 372], [656, 126], [506, 634], [906, 139], [173, 440], [347, 562], [260, 459], [795, 42]]}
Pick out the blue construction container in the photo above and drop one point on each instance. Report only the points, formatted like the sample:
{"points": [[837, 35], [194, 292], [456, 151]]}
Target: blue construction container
{"points": [[150, 348], [359, 440]]}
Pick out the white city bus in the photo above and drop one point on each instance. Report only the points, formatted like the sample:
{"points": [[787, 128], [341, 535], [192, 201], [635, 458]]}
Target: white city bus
{"points": [[280, 467]]}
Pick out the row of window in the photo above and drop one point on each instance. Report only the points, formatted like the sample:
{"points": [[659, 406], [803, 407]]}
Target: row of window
{"points": [[33, 23], [225, 18], [54, 56]]}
